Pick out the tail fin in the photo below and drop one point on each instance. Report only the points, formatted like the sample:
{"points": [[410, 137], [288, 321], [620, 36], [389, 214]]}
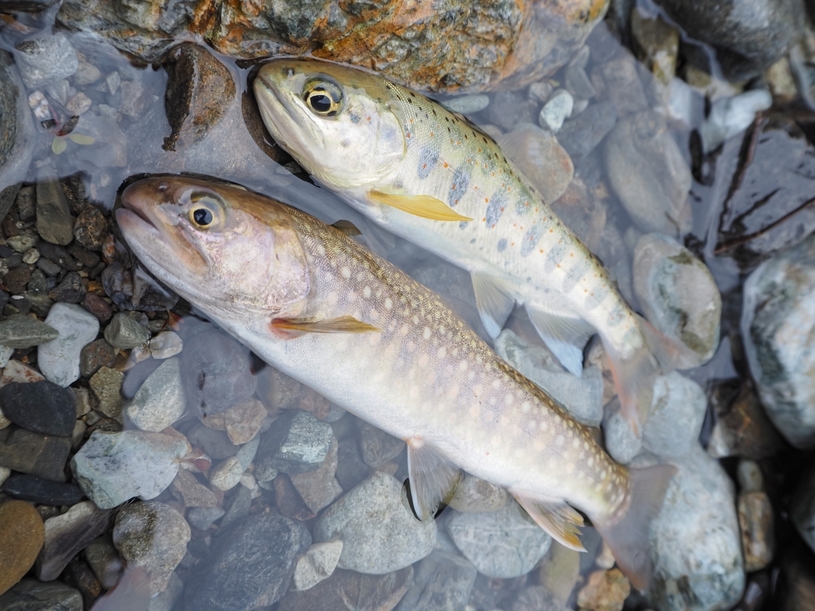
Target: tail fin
{"points": [[628, 535], [132, 593], [634, 378]]}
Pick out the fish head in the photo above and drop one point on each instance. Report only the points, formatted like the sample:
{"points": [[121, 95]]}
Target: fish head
{"points": [[229, 252], [343, 125]]}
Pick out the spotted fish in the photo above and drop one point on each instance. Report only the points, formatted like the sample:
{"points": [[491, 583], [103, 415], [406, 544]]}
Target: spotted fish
{"points": [[429, 176], [326, 311]]}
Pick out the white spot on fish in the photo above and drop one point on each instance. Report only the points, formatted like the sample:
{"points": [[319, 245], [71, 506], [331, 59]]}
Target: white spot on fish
{"points": [[496, 384], [509, 399], [442, 352], [366, 292], [346, 273], [389, 305], [426, 333], [333, 298], [321, 250], [526, 406], [462, 366], [559, 440]]}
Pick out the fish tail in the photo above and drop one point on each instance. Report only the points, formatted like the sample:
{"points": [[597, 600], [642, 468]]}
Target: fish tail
{"points": [[132, 593], [627, 535]]}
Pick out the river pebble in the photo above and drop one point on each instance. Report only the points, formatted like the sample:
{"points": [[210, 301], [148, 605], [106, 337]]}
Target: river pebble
{"points": [[250, 565], [379, 532], [94, 356], [114, 467], [42, 407], [38, 490], [242, 422], [124, 332], [166, 344], [441, 582], [106, 385], [475, 495], [757, 525], [536, 598], [556, 110], [559, 571], [152, 535], [377, 446], [352, 591], [20, 331], [59, 359], [605, 591], [467, 104], [203, 517], [33, 595], [503, 544], [68, 534], [319, 488], [228, 473], [296, 442], [778, 331], [45, 58], [678, 410], [316, 565], [54, 220], [34, 453], [21, 537], [160, 400], [191, 492]]}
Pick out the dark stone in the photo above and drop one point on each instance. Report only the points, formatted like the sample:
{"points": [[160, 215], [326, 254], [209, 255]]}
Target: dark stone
{"points": [[27, 204], [129, 292], [70, 290], [39, 490], [33, 595], [79, 575], [38, 285], [97, 306], [289, 501], [238, 508], [199, 90], [91, 227], [351, 469], [352, 591], [508, 108], [377, 446], [748, 35], [59, 255], [17, 279], [217, 372], [54, 221], [250, 566], [48, 267], [295, 443], [215, 443], [95, 355], [84, 256], [442, 582], [42, 407], [33, 453], [581, 135], [13, 260]]}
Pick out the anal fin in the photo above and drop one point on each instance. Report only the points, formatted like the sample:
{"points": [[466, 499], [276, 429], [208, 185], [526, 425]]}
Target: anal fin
{"points": [[433, 479], [564, 335], [341, 324], [425, 206], [494, 302], [554, 516]]}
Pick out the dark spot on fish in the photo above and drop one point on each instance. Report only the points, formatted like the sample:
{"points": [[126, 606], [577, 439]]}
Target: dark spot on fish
{"points": [[554, 256], [355, 118], [463, 224], [533, 234], [461, 180], [428, 157], [497, 204], [472, 241], [502, 245]]}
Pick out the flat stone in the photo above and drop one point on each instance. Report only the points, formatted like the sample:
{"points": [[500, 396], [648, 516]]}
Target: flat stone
{"points": [[79, 575], [250, 566], [106, 385], [32, 595], [42, 491], [94, 356], [160, 400], [34, 453], [41, 407], [15, 371], [191, 492], [104, 561], [605, 591], [59, 360], [239, 508], [559, 571], [97, 306], [295, 443], [215, 443], [503, 544], [377, 446], [124, 332], [467, 104], [351, 469], [44, 59], [16, 279], [91, 227], [441, 582], [20, 331], [475, 495], [316, 565], [241, 422], [66, 535], [54, 220], [154, 536], [319, 488], [379, 532], [203, 517], [678, 410], [678, 296], [114, 467], [21, 537], [757, 530], [71, 289], [352, 591]]}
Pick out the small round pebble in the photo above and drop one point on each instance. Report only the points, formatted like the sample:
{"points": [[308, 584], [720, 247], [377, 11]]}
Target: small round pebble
{"points": [[124, 332]]}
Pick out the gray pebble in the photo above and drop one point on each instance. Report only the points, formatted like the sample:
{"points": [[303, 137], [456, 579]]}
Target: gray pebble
{"points": [[45, 58], [295, 443], [59, 359], [160, 400], [66, 535], [556, 110], [467, 104], [21, 331], [33, 595], [442, 582], [124, 332]]}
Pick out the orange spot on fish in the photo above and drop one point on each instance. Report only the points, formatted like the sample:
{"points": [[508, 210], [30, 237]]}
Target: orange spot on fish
{"points": [[445, 164]]}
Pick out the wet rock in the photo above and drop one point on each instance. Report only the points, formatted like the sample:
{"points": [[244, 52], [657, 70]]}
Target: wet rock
{"points": [[536, 598], [94, 356], [241, 422], [559, 571], [79, 575], [215, 443], [41, 491], [351, 469], [288, 500], [503, 544], [778, 330], [556, 110], [42, 407], [747, 36], [731, 116], [620, 82], [20, 331], [54, 220], [378, 530], [756, 524], [467, 104], [227, 474], [510, 108], [352, 591], [191, 492], [32, 595], [539, 156], [97, 306], [377, 446], [114, 467], [802, 508], [106, 385], [250, 565], [319, 487], [91, 227], [475, 495], [154, 536], [124, 332], [241, 503], [66, 535], [33, 453], [605, 591], [695, 541], [648, 173], [203, 517], [217, 372], [60, 359], [104, 561], [15, 371], [295, 443], [17, 279], [442, 582], [656, 44], [677, 412], [678, 296], [199, 90], [44, 59], [21, 537], [316, 565], [166, 344], [160, 400], [78, 104], [70, 290]]}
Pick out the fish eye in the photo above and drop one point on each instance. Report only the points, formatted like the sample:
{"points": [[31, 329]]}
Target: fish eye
{"points": [[323, 97], [205, 211]]}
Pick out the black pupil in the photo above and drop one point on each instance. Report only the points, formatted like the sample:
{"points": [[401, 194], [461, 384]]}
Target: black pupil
{"points": [[320, 102], [202, 216]]}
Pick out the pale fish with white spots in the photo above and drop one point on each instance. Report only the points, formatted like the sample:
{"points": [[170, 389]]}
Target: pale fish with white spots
{"points": [[321, 308], [429, 176]]}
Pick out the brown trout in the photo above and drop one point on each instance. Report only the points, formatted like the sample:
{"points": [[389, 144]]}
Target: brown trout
{"points": [[324, 310], [427, 175]]}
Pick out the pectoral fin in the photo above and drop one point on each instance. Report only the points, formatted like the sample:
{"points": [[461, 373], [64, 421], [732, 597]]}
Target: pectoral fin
{"points": [[554, 516], [433, 479], [494, 302], [347, 227], [342, 324], [425, 206], [564, 335]]}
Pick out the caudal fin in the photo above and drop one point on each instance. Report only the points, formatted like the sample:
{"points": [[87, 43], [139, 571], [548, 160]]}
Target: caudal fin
{"points": [[132, 593], [628, 535]]}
